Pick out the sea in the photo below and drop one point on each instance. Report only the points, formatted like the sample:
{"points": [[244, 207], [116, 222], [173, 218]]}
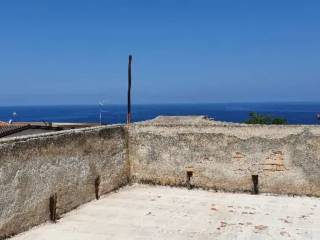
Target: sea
{"points": [[295, 113]]}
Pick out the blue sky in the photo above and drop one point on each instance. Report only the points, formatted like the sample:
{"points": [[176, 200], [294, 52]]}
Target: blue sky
{"points": [[75, 52]]}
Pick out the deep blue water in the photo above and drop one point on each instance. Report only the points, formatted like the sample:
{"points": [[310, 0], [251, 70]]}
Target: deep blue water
{"points": [[295, 113]]}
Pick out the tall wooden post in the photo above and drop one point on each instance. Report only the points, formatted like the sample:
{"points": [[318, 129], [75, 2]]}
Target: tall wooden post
{"points": [[129, 91]]}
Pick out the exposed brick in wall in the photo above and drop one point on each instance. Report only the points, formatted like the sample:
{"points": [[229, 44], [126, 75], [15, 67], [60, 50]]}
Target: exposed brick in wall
{"points": [[224, 156], [79, 165]]}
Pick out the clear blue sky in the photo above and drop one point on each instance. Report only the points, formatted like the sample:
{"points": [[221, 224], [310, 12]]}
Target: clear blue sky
{"points": [[75, 52]]}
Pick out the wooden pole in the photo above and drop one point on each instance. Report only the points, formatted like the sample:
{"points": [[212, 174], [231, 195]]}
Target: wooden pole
{"points": [[129, 91]]}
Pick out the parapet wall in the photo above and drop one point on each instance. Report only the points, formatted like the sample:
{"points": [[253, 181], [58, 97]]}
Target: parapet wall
{"points": [[76, 165], [286, 159], [71, 164]]}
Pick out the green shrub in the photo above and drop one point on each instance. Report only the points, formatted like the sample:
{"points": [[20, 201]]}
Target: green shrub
{"points": [[256, 118]]}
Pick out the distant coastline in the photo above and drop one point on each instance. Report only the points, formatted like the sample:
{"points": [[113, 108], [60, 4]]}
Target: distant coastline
{"points": [[294, 112]]}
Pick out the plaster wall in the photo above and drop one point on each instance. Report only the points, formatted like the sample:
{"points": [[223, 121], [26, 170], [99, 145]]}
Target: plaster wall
{"points": [[164, 151], [224, 156], [66, 163]]}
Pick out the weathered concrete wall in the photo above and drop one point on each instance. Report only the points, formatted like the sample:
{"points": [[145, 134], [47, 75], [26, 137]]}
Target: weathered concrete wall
{"points": [[67, 163], [220, 156], [225, 156]]}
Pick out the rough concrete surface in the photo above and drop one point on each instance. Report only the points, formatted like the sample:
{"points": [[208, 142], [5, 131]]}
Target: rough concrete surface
{"points": [[155, 212], [76, 165], [224, 156], [68, 163]]}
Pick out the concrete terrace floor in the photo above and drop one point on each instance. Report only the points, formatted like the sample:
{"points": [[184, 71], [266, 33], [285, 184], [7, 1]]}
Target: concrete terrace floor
{"points": [[157, 212]]}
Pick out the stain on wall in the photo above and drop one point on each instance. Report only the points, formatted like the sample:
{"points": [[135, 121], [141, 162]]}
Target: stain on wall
{"points": [[66, 164], [77, 166], [224, 156]]}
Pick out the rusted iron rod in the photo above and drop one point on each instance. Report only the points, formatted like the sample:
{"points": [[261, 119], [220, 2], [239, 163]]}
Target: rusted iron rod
{"points": [[53, 207], [255, 181], [96, 186]]}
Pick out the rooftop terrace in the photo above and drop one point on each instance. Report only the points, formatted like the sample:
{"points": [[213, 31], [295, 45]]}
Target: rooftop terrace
{"points": [[157, 212], [45, 176]]}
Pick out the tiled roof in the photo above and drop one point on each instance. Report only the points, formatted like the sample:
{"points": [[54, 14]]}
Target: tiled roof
{"points": [[7, 129]]}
